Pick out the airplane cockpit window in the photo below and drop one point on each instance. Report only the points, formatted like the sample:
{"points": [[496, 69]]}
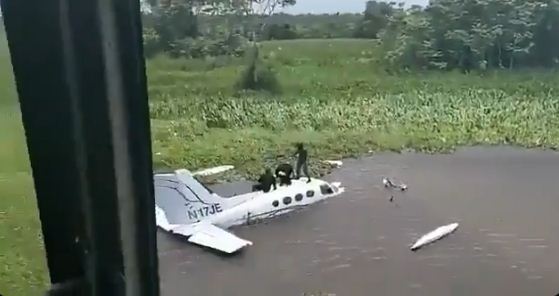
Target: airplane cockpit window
{"points": [[325, 189]]}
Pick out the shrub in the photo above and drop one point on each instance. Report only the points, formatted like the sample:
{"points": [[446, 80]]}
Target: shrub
{"points": [[152, 45], [257, 75]]}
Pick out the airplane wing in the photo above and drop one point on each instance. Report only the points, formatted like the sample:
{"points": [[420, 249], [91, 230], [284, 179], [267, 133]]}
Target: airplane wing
{"points": [[211, 236], [213, 171]]}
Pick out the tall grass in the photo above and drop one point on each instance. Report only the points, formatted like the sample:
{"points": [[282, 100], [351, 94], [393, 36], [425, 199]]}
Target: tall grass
{"points": [[417, 120]]}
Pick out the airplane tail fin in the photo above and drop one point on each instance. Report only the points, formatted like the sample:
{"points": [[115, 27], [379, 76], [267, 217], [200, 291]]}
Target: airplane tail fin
{"points": [[184, 184], [184, 200]]}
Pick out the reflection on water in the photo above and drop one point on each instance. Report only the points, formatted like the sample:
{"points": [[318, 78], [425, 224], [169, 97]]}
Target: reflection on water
{"points": [[506, 201]]}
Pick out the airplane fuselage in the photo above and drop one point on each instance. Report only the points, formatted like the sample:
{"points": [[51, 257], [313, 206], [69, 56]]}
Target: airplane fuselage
{"points": [[184, 206], [268, 205]]}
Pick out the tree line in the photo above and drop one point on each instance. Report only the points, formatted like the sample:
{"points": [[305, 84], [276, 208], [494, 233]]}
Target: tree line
{"points": [[473, 35], [446, 34], [196, 28]]}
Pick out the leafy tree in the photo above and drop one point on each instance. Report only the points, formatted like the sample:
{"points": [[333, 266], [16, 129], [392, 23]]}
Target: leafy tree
{"points": [[279, 32], [258, 76], [473, 34], [375, 19], [546, 35], [175, 21], [151, 42], [341, 25]]}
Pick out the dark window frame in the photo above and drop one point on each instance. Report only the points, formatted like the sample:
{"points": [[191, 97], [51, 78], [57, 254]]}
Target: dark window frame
{"points": [[326, 189]]}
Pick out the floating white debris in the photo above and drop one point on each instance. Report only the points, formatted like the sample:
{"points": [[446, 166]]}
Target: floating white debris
{"points": [[334, 163], [389, 184], [213, 171], [386, 182], [434, 236]]}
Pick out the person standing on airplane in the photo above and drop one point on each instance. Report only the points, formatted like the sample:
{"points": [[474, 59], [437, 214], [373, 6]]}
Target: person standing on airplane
{"points": [[302, 159]]}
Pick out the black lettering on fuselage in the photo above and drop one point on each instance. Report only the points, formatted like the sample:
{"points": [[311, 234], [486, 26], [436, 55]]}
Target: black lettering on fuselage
{"points": [[192, 215], [204, 212]]}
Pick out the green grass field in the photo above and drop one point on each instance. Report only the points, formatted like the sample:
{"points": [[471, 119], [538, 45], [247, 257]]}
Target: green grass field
{"points": [[22, 257], [334, 98]]}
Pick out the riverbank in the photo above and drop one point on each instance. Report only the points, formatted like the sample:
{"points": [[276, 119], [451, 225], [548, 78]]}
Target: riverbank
{"points": [[427, 122], [338, 101]]}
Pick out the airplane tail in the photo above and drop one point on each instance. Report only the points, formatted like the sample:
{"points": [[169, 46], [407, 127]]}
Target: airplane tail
{"points": [[184, 183], [183, 199]]}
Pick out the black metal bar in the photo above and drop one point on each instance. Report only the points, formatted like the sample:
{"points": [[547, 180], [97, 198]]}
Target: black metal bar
{"points": [[80, 77], [38, 66]]}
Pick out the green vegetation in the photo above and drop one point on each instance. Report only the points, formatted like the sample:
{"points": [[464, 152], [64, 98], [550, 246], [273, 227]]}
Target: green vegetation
{"points": [[474, 35], [445, 35], [22, 258], [339, 104]]}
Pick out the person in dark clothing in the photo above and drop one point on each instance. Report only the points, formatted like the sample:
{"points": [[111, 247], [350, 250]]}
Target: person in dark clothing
{"points": [[284, 172], [302, 158], [265, 183]]}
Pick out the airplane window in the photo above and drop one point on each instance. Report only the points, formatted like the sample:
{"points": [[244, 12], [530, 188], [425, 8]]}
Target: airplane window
{"points": [[325, 189], [299, 197], [275, 203], [310, 193], [286, 200]]}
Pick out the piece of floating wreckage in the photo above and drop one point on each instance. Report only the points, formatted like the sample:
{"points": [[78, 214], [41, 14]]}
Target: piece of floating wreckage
{"points": [[434, 235], [334, 163], [389, 184], [185, 206], [213, 171]]}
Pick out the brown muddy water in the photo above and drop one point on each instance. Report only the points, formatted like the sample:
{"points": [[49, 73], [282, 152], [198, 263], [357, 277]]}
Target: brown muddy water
{"points": [[505, 199]]}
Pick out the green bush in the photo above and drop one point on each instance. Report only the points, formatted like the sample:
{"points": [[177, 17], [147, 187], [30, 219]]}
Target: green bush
{"points": [[152, 44], [258, 76], [194, 48]]}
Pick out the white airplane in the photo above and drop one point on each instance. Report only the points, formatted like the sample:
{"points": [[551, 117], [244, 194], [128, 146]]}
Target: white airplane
{"points": [[186, 207]]}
